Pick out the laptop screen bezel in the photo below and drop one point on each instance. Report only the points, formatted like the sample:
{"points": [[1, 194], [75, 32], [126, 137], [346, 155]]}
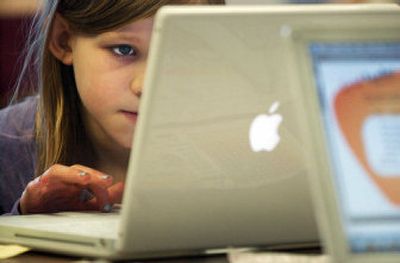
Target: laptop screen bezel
{"points": [[321, 177]]}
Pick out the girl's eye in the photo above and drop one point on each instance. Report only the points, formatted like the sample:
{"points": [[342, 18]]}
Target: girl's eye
{"points": [[124, 50]]}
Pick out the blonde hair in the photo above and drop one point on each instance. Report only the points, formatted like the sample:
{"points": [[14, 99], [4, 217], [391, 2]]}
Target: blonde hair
{"points": [[59, 129]]}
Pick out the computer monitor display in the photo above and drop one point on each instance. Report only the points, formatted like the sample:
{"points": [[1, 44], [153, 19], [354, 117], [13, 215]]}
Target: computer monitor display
{"points": [[359, 95]]}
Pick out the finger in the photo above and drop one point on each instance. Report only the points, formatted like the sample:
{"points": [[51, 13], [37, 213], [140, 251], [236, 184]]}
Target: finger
{"points": [[74, 175], [116, 192], [96, 187], [59, 189], [86, 195], [96, 176], [72, 200], [88, 206], [52, 197], [102, 198], [64, 174]]}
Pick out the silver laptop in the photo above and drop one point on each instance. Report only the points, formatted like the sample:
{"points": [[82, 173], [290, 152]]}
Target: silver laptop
{"points": [[348, 82], [219, 157]]}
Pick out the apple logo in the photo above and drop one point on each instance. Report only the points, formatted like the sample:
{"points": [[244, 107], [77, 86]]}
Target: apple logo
{"points": [[264, 130]]}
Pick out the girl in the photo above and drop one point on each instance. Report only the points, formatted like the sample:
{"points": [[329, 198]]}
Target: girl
{"points": [[67, 147]]}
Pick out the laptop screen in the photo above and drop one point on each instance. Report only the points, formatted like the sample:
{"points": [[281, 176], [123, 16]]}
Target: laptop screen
{"points": [[359, 94]]}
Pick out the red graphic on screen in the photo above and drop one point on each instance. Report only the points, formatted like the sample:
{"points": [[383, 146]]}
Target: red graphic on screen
{"points": [[356, 102]]}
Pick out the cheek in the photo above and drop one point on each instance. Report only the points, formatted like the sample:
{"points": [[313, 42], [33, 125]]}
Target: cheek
{"points": [[97, 89], [94, 91], [91, 76], [102, 84]]}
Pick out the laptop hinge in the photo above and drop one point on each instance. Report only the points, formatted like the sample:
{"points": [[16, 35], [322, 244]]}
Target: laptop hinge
{"points": [[51, 239], [227, 250]]}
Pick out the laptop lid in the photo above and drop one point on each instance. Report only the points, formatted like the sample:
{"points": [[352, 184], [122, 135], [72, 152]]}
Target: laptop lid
{"points": [[200, 178], [349, 73], [208, 171]]}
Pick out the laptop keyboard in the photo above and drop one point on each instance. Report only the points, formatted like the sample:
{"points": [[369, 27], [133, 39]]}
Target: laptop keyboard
{"points": [[91, 224]]}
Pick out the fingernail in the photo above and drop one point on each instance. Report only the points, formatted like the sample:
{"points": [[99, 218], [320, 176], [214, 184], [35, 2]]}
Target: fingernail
{"points": [[107, 208], [105, 177], [86, 195], [82, 173]]}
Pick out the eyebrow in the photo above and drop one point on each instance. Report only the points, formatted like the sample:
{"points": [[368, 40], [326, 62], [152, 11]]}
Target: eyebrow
{"points": [[121, 35]]}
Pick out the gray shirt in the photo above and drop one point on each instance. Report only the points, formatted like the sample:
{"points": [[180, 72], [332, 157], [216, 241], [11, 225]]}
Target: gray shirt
{"points": [[17, 152]]}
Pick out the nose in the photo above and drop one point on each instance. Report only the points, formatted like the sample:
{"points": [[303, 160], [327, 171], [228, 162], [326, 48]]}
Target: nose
{"points": [[138, 79]]}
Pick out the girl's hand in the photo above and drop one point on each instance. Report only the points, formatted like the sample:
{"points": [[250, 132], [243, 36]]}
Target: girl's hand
{"points": [[70, 188]]}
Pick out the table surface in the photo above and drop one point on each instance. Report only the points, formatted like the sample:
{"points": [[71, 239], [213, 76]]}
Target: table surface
{"points": [[33, 256], [42, 257]]}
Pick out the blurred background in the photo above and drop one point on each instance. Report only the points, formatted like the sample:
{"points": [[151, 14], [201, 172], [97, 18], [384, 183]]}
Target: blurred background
{"points": [[15, 16], [241, 2]]}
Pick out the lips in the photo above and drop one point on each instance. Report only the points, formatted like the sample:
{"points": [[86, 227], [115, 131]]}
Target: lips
{"points": [[130, 115]]}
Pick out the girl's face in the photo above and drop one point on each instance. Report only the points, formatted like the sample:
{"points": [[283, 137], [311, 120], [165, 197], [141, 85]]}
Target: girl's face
{"points": [[109, 71]]}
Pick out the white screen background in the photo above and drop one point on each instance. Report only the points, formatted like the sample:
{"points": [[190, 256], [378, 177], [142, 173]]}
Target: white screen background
{"points": [[360, 196]]}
